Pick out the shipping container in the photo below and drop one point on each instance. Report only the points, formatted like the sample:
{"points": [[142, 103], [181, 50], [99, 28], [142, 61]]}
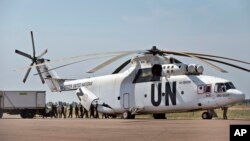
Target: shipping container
{"points": [[25, 103]]}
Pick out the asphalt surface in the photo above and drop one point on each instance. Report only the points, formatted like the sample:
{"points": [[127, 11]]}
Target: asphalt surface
{"points": [[114, 130]]}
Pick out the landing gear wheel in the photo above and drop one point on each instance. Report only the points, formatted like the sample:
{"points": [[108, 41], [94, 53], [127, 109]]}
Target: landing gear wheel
{"points": [[126, 115], [113, 116], [27, 114], [23, 114], [159, 116], [132, 117], [30, 114], [206, 115], [1, 114]]}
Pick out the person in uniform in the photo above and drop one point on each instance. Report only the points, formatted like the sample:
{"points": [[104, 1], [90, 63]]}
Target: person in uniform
{"points": [[70, 111], [63, 115], [96, 112], [81, 111], [65, 110], [77, 111], [59, 111], [53, 111], [224, 112], [85, 112], [92, 111]]}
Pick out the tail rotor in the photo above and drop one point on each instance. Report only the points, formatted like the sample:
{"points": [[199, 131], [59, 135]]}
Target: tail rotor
{"points": [[35, 59]]}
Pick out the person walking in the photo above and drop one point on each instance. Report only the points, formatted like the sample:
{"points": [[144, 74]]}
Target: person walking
{"points": [[224, 112], [59, 111], [65, 110], [96, 112], [85, 112], [53, 111], [70, 111], [92, 111], [81, 111], [63, 114], [77, 111]]}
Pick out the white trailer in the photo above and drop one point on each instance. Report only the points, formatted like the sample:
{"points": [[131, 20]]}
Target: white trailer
{"points": [[25, 103]]}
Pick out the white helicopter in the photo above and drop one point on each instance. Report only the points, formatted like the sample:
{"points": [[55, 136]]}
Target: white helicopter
{"points": [[155, 83]]}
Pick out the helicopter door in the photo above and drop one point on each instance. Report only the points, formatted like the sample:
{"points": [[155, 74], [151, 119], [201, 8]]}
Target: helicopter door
{"points": [[126, 100], [86, 97]]}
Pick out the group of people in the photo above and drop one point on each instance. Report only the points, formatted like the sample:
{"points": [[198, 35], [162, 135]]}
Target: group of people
{"points": [[70, 111]]}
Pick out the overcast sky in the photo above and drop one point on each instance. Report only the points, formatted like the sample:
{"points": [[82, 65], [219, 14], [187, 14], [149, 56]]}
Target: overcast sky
{"points": [[69, 28]]}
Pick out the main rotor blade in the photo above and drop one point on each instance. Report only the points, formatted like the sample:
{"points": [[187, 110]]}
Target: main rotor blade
{"points": [[225, 63], [23, 54], [40, 56], [84, 56], [33, 45], [197, 58], [231, 59], [104, 64], [58, 60], [121, 66], [40, 75], [67, 65], [27, 73]]}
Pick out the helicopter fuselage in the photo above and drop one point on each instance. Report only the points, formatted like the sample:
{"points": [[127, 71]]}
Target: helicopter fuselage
{"points": [[141, 93]]}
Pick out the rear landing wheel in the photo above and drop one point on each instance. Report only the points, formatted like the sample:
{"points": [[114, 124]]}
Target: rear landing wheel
{"points": [[132, 116], [128, 115], [159, 116], [1, 114]]}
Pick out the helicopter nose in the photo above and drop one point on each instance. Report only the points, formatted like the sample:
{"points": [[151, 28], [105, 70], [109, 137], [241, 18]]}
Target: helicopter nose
{"points": [[236, 95]]}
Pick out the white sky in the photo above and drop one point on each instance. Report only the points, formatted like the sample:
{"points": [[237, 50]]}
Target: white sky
{"points": [[69, 28]]}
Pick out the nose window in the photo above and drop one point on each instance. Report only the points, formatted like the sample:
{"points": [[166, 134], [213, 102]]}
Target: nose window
{"points": [[229, 85]]}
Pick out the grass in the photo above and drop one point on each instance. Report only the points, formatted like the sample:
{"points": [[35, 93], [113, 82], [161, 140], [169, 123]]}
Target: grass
{"points": [[232, 114], [235, 112]]}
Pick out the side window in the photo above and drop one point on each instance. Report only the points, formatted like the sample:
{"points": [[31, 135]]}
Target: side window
{"points": [[208, 89], [148, 74], [200, 89], [156, 72], [143, 75], [204, 89]]}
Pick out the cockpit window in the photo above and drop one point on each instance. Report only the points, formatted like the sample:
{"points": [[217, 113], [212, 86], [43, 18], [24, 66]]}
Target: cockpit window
{"points": [[223, 87], [229, 85]]}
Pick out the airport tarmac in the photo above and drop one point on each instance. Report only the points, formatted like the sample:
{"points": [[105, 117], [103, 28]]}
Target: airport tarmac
{"points": [[115, 130]]}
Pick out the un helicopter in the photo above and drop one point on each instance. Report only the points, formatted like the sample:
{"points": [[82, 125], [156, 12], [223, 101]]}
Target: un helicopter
{"points": [[154, 83]]}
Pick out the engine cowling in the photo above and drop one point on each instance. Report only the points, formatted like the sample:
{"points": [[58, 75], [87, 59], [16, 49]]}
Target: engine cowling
{"points": [[181, 69], [195, 69]]}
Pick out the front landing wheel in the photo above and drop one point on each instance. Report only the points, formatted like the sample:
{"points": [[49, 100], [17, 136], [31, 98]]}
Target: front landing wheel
{"points": [[206, 115]]}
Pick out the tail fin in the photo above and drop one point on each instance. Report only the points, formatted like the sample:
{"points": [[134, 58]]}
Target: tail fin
{"points": [[55, 83]]}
